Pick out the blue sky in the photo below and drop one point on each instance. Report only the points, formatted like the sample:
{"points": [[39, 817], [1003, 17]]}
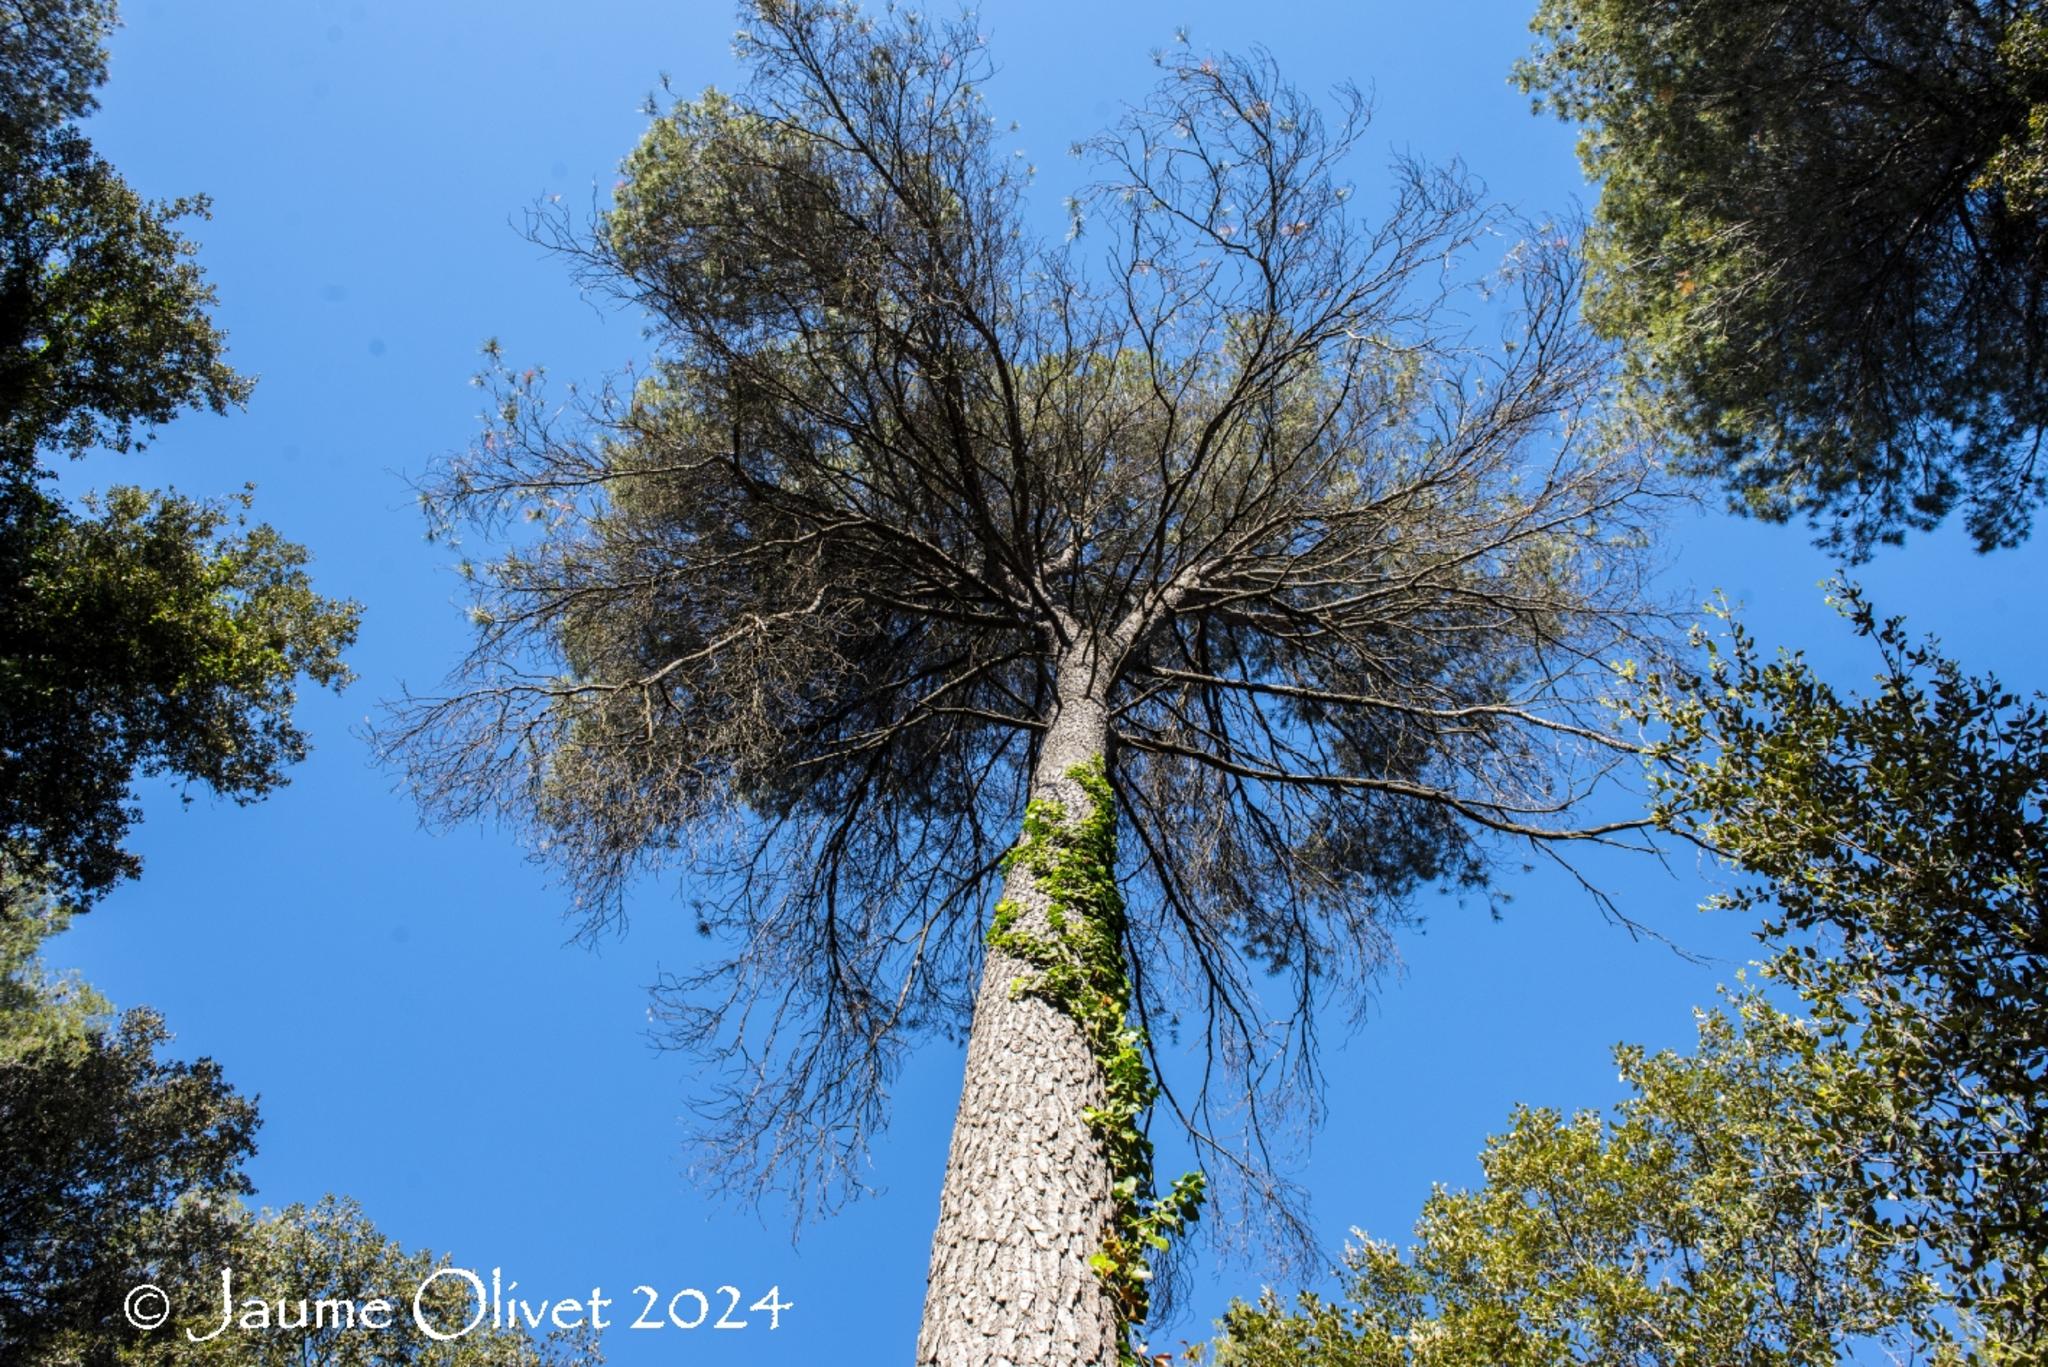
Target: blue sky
{"points": [[406, 1004]]}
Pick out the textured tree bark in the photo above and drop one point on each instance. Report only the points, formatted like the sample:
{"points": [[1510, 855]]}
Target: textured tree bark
{"points": [[1027, 1192]]}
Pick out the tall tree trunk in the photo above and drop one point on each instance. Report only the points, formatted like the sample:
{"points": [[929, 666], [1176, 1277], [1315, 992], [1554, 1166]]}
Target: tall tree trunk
{"points": [[1027, 1195]]}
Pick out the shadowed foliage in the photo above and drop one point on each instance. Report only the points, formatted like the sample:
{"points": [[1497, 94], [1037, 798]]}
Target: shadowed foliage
{"points": [[149, 635], [123, 1168], [117, 1163], [319, 1267], [104, 329], [138, 637], [1821, 236]]}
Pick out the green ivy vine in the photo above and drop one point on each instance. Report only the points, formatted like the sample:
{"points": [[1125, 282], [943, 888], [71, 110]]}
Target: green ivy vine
{"points": [[1080, 970]]}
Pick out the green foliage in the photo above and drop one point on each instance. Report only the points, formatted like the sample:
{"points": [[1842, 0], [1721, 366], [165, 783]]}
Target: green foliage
{"points": [[39, 1010], [712, 194], [1820, 230], [152, 635], [1724, 1214], [331, 1251], [117, 1163], [1898, 844], [138, 636], [120, 1167], [104, 330], [1868, 1175], [2019, 170], [53, 57], [1081, 971]]}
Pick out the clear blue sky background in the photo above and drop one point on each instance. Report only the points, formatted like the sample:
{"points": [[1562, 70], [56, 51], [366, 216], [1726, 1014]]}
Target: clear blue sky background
{"points": [[406, 1005]]}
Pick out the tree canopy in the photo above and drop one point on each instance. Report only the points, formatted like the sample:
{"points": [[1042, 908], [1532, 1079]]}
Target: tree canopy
{"points": [[795, 607], [1821, 235], [1863, 1176], [105, 329], [123, 1167], [1722, 1214], [331, 1251], [1260, 518], [117, 1163], [148, 635], [144, 634], [1897, 846]]}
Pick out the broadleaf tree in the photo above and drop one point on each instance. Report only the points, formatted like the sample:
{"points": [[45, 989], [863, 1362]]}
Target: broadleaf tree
{"points": [[105, 329], [116, 1162], [1205, 585], [122, 1167], [1851, 1164], [320, 1266], [1731, 1209], [1822, 233], [1896, 844], [143, 634]]}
